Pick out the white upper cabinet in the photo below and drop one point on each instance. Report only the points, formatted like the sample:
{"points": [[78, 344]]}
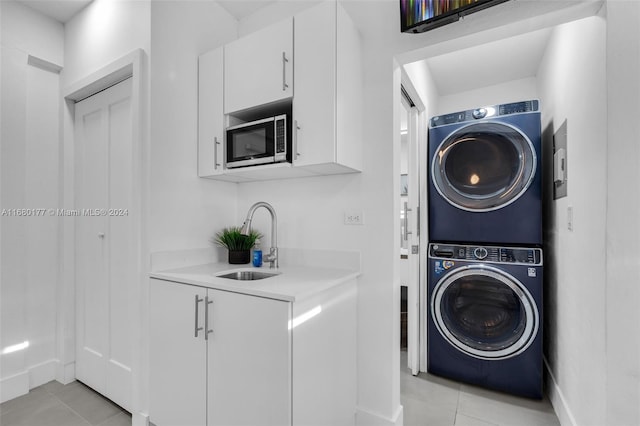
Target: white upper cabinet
{"points": [[259, 68], [253, 75], [211, 127], [326, 105]]}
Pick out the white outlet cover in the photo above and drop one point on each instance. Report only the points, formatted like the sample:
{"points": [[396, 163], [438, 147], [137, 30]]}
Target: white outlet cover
{"points": [[353, 218]]}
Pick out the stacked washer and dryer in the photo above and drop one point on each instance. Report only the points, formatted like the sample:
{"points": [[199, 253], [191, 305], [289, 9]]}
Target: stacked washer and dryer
{"points": [[485, 251]]}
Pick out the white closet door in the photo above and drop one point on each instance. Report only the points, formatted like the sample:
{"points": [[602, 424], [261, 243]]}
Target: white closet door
{"points": [[104, 241]]}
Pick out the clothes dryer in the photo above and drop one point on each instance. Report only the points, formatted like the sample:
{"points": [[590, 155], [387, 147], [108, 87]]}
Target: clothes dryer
{"points": [[485, 181], [485, 316]]}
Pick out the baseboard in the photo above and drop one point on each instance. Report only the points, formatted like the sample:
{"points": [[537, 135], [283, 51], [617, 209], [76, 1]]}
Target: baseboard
{"points": [[34, 376], [368, 418], [139, 419], [559, 402], [66, 373], [14, 386], [42, 373]]}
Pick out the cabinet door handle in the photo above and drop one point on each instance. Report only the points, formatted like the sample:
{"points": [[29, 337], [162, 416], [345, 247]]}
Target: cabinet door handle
{"points": [[295, 137], [215, 153], [207, 302], [284, 72], [197, 329]]}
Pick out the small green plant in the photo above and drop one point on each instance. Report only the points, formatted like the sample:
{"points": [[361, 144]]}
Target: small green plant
{"points": [[232, 239]]}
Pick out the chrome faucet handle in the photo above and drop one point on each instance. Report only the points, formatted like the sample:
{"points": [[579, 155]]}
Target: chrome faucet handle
{"points": [[272, 258]]}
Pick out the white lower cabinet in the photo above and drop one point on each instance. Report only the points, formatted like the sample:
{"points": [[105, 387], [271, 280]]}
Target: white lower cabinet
{"points": [[263, 361], [218, 358]]}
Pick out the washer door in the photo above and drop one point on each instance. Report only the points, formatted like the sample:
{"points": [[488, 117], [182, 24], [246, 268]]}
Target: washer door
{"points": [[484, 312], [484, 166]]}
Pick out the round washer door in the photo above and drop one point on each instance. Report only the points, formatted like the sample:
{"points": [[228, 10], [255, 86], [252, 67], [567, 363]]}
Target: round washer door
{"points": [[484, 166], [484, 312]]}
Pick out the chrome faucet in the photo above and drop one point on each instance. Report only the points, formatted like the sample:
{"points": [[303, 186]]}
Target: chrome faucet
{"points": [[272, 257]]}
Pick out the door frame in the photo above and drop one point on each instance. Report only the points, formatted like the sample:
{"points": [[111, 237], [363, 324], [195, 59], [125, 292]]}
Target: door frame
{"points": [[132, 65], [417, 324]]}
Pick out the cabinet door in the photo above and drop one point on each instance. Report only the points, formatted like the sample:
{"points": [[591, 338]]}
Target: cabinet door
{"points": [[249, 360], [178, 361], [314, 105], [210, 113], [259, 67]]}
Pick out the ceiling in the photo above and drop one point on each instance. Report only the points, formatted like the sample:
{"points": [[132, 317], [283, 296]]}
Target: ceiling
{"points": [[486, 64], [60, 10], [63, 10], [240, 9]]}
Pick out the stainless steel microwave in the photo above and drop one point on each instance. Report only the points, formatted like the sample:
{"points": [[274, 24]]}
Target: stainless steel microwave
{"points": [[258, 142]]}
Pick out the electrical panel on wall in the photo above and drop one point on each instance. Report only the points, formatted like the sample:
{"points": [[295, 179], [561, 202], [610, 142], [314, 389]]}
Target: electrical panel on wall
{"points": [[560, 162]]}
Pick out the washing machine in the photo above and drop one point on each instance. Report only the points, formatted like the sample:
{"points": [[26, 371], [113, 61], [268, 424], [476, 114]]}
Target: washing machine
{"points": [[485, 181], [485, 316]]}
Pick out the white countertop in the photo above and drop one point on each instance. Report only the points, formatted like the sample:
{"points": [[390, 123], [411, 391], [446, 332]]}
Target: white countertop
{"points": [[291, 284]]}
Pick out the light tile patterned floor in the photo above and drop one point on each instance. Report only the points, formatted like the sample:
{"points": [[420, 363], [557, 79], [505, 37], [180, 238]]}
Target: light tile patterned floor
{"points": [[432, 400], [54, 404], [427, 400]]}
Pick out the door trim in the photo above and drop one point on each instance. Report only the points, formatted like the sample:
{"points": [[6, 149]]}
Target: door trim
{"points": [[133, 65], [416, 302]]}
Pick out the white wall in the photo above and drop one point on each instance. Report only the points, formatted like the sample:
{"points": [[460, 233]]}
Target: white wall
{"points": [[186, 210], [509, 91], [29, 152], [623, 213], [101, 33], [575, 261]]}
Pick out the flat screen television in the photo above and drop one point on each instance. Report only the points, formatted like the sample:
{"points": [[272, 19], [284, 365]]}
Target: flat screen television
{"points": [[418, 16]]}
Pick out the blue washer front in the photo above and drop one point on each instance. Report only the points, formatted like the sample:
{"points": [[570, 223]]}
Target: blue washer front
{"points": [[485, 316], [485, 181]]}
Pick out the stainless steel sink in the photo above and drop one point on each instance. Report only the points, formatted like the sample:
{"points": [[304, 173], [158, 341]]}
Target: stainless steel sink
{"points": [[247, 275]]}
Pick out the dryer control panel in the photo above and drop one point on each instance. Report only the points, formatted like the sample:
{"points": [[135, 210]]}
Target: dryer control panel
{"points": [[491, 254], [484, 112]]}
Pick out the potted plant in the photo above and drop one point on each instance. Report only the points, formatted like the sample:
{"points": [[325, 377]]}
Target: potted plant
{"points": [[239, 245]]}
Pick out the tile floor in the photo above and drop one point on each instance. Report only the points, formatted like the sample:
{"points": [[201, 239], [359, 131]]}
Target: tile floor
{"points": [[54, 404], [427, 400], [432, 400]]}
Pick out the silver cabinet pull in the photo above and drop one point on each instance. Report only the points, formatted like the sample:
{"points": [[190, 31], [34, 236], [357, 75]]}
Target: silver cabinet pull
{"points": [[197, 302], [215, 153], [207, 302], [295, 137], [284, 72], [406, 232]]}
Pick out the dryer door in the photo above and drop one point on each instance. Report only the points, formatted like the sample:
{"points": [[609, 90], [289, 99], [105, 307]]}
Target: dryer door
{"points": [[484, 166], [484, 312]]}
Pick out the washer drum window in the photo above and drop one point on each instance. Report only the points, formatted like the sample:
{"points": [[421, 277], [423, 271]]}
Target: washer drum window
{"points": [[484, 166], [484, 312]]}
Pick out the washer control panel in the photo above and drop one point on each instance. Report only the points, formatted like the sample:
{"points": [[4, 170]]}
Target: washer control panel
{"points": [[492, 254]]}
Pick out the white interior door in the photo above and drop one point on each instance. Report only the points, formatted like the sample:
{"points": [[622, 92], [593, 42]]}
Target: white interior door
{"points": [[412, 235], [104, 241]]}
